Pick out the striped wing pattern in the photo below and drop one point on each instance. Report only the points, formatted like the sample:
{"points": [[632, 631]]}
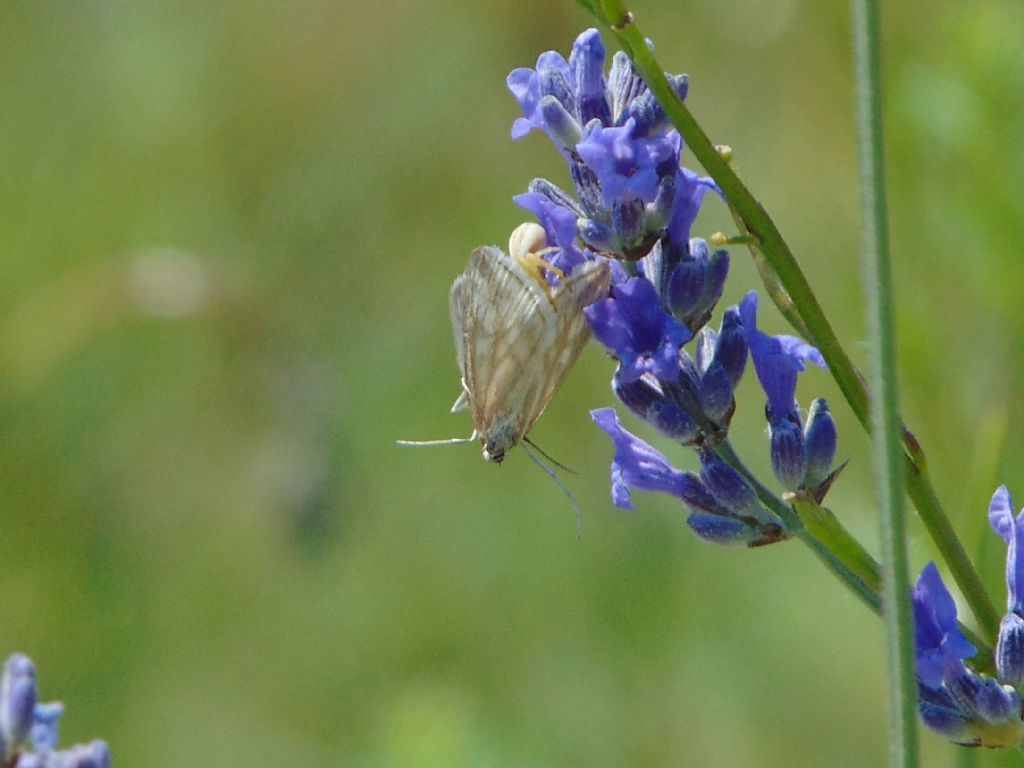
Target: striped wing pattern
{"points": [[515, 342]]}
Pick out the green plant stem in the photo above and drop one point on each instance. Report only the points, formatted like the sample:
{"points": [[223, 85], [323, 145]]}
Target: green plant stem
{"points": [[837, 548], [885, 418], [775, 250]]}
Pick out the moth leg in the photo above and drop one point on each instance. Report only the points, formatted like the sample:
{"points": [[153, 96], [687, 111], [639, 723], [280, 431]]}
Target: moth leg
{"points": [[462, 401]]}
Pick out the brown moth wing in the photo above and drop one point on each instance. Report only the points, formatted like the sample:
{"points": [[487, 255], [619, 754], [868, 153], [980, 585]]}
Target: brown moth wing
{"points": [[589, 283], [502, 319], [514, 344]]}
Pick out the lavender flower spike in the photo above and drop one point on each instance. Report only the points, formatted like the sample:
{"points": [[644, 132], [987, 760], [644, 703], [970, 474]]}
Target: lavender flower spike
{"points": [[28, 730], [963, 706], [1010, 647], [622, 153]]}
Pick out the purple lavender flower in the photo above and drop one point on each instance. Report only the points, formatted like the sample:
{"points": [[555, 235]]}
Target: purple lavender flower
{"points": [[640, 466], [689, 191], [17, 699], [46, 725], [777, 360], [689, 280], [558, 220], [721, 359], [689, 400], [722, 506], [29, 730], [941, 646], [641, 335], [1011, 529], [963, 706], [628, 166], [801, 455], [622, 154], [1010, 647], [579, 88], [660, 404]]}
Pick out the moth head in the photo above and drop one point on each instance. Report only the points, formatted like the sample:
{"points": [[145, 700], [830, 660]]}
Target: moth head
{"points": [[497, 443], [494, 452]]}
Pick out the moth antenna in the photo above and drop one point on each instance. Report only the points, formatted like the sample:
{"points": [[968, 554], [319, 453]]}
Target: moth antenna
{"points": [[450, 441], [557, 463], [554, 476]]}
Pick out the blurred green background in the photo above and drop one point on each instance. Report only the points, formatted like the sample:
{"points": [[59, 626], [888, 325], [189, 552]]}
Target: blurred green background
{"points": [[227, 232]]}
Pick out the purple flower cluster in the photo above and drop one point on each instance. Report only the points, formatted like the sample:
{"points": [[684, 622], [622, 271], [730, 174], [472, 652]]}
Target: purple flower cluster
{"points": [[635, 204], [29, 729], [801, 455], [954, 700], [723, 507], [622, 154]]}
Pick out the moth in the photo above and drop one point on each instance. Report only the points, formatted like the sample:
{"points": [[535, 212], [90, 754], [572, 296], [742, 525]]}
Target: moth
{"points": [[517, 335]]}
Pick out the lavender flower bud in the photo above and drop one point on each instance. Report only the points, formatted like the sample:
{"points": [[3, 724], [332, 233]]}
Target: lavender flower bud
{"points": [[95, 754], [46, 725], [717, 529], [17, 699], [685, 286], [993, 703], [628, 222], [819, 443], [789, 458], [696, 284], [1002, 520], [731, 346], [587, 65], [646, 398], [732, 491], [588, 188], [645, 109], [716, 395], [943, 715], [553, 75], [624, 86], [559, 122], [660, 209], [1010, 650]]}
